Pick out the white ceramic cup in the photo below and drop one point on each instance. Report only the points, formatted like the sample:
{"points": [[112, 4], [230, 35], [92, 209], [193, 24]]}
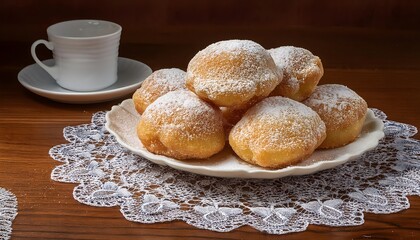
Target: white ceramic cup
{"points": [[85, 53]]}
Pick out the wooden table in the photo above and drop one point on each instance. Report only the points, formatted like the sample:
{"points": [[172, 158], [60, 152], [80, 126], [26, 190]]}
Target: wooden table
{"points": [[382, 67]]}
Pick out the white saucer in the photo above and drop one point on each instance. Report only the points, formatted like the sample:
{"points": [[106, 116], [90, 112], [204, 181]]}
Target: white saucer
{"points": [[122, 120], [130, 75]]}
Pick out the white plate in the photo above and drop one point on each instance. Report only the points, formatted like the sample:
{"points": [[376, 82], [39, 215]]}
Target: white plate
{"points": [[121, 121], [130, 75]]}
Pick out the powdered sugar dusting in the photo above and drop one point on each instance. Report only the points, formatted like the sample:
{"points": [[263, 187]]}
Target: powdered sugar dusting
{"points": [[281, 123], [161, 82], [235, 46], [215, 88], [233, 66], [173, 78], [181, 110], [337, 104], [293, 61]]}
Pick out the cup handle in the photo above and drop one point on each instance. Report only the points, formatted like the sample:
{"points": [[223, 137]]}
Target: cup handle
{"points": [[51, 70]]}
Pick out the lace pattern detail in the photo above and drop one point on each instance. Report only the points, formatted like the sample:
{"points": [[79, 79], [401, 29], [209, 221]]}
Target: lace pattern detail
{"points": [[8, 212], [107, 175]]}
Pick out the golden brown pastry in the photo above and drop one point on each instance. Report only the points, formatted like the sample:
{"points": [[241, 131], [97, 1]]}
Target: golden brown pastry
{"points": [[342, 110], [301, 72], [182, 126], [233, 72], [233, 114], [157, 84], [277, 132]]}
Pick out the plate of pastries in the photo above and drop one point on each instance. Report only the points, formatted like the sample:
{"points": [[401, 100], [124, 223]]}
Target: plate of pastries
{"points": [[243, 111]]}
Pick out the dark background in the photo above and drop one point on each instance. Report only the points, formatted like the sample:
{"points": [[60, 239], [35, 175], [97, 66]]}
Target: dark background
{"points": [[182, 27]]}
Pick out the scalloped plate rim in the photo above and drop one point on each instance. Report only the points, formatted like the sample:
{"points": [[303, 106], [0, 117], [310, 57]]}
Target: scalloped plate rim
{"points": [[258, 172]]}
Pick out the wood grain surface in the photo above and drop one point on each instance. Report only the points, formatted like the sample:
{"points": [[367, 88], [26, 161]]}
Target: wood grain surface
{"points": [[374, 52]]}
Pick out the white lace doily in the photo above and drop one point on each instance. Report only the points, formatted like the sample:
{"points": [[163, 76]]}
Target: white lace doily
{"points": [[108, 175], [8, 212]]}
